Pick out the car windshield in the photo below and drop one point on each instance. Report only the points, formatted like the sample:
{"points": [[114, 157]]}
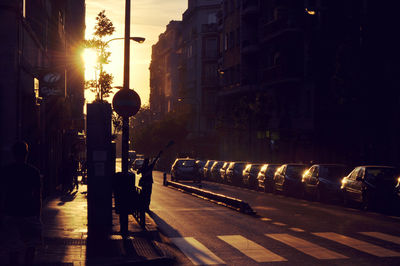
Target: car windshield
{"points": [[239, 166], [209, 163], [255, 168], [271, 169], [188, 163], [295, 169], [333, 172], [379, 174]]}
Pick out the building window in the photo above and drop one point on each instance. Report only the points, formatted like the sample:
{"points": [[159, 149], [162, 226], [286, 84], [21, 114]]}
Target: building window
{"points": [[211, 47], [24, 8], [190, 51], [212, 18], [210, 72], [36, 86], [226, 41]]}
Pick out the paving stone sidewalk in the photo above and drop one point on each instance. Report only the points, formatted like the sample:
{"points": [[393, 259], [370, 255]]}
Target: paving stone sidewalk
{"points": [[65, 238]]}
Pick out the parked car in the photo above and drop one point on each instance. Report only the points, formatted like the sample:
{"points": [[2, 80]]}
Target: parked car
{"points": [[323, 181], [200, 168], [234, 173], [222, 171], [371, 186], [265, 177], [250, 174], [183, 168], [215, 175], [287, 178], [207, 169], [137, 163]]}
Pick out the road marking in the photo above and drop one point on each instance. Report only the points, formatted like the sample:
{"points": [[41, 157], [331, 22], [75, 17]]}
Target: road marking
{"points": [[382, 236], [307, 247], [195, 251], [296, 229], [251, 249], [279, 224], [359, 245], [265, 219]]}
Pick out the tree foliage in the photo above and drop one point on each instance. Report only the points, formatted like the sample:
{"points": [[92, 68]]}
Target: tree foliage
{"points": [[102, 85], [150, 136]]}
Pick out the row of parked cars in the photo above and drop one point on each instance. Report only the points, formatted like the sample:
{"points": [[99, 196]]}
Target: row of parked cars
{"points": [[368, 186]]}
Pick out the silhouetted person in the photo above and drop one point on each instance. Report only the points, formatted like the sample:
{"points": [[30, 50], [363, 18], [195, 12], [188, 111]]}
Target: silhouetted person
{"points": [[146, 181], [21, 205]]}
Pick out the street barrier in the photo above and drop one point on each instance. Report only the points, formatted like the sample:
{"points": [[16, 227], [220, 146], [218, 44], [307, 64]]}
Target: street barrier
{"points": [[230, 202]]}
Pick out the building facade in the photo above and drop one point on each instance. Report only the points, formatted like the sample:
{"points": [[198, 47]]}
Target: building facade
{"points": [[296, 81], [41, 81]]}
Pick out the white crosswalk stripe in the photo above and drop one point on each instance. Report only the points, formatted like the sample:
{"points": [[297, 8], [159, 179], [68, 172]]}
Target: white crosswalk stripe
{"points": [[199, 254], [359, 245], [251, 249], [382, 236], [196, 251], [306, 247]]}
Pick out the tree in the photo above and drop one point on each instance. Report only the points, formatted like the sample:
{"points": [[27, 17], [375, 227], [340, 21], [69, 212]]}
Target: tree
{"points": [[101, 85]]}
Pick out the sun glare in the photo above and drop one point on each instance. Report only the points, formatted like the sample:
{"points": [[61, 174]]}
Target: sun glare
{"points": [[90, 58]]}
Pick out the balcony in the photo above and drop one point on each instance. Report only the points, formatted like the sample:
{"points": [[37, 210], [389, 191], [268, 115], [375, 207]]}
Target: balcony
{"points": [[209, 28], [249, 46], [279, 74], [250, 8], [276, 28]]}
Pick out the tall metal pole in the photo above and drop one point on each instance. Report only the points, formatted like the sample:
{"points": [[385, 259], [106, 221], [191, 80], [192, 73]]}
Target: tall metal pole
{"points": [[125, 120]]}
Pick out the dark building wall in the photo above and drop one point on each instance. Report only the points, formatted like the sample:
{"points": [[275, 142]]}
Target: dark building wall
{"points": [[33, 43]]}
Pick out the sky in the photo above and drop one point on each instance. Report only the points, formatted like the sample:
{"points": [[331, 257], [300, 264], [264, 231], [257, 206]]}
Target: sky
{"points": [[149, 19]]}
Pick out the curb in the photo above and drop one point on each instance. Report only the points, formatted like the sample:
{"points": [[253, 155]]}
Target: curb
{"points": [[233, 203]]}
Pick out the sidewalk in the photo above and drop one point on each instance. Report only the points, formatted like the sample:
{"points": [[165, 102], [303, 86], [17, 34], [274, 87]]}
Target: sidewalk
{"points": [[65, 237]]}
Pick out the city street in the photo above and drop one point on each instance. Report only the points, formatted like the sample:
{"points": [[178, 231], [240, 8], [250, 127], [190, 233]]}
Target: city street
{"points": [[286, 230]]}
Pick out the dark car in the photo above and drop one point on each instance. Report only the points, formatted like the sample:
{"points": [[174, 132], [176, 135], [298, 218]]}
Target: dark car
{"points": [[200, 168], [234, 173], [215, 175], [183, 168], [371, 186], [207, 169], [265, 177], [288, 177], [250, 174], [323, 181], [137, 163], [222, 171]]}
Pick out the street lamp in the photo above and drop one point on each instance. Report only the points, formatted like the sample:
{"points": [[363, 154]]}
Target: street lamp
{"points": [[136, 39]]}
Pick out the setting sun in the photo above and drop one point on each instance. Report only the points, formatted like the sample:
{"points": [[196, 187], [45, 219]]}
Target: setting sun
{"points": [[89, 56]]}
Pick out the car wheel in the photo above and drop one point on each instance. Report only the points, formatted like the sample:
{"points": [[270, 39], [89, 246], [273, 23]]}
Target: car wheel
{"points": [[303, 194], [274, 190], [345, 200], [285, 190], [365, 202], [318, 195]]}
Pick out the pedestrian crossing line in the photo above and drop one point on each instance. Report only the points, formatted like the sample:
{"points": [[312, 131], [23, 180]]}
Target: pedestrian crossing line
{"points": [[295, 229], [306, 247], [279, 224], [382, 236], [359, 245], [251, 249], [195, 251]]}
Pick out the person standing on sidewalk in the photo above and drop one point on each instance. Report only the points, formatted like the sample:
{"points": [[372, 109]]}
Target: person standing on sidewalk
{"points": [[20, 206], [146, 181]]}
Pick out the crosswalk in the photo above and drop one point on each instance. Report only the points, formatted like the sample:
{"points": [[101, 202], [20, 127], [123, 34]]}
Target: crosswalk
{"points": [[199, 254]]}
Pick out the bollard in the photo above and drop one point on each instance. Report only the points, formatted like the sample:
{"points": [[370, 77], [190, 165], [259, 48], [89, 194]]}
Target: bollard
{"points": [[165, 179]]}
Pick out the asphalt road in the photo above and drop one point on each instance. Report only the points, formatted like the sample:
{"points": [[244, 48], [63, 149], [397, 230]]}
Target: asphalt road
{"points": [[287, 231]]}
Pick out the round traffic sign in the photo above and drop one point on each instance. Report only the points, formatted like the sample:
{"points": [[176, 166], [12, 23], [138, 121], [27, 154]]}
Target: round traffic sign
{"points": [[126, 102]]}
